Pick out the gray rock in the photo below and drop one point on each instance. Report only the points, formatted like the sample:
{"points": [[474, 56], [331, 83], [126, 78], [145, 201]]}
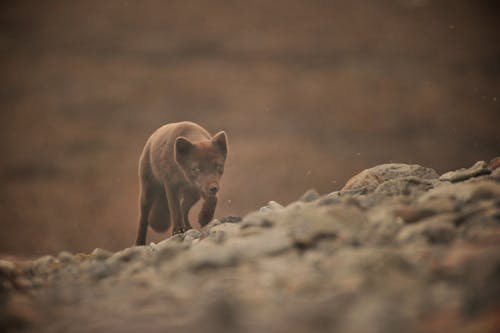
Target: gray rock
{"points": [[100, 254], [231, 219], [309, 196], [462, 193], [166, 250], [478, 169], [330, 199], [208, 255], [414, 214], [406, 186], [65, 257], [272, 242], [258, 219], [99, 270], [434, 230], [312, 224], [129, 254], [368, 180], [403, 251], [494, 164], [271, 206], [191, 235], [218, 233], [382, 226], [45, 264], [7, 268]]}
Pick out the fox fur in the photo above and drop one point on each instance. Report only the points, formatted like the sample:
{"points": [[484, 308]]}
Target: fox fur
{"points": [[180, 164]]}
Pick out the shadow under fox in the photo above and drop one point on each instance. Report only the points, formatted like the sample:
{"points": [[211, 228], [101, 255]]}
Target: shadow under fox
{"points": [[180, 163]]}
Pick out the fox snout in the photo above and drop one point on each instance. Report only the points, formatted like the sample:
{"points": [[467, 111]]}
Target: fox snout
{"points": [[213, 189]]}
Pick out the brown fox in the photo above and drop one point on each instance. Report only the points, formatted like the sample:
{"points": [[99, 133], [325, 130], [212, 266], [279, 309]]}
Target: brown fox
{"points": [[180, 164]]}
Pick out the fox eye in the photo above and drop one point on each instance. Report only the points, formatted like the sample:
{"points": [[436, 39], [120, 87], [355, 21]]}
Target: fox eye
{"points": [[195, 170], [220, 168]]}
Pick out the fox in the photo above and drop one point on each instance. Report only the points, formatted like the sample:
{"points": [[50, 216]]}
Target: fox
{"points": [[180, 164]]}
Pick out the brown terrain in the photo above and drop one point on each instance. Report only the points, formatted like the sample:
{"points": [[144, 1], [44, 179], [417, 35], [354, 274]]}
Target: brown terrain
{"points": [[309, 92], [398, 249]]}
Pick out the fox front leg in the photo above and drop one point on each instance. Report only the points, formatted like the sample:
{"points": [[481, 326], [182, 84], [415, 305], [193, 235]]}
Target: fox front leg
{"points": [[175, 210], [207, 210], [190, 198]]}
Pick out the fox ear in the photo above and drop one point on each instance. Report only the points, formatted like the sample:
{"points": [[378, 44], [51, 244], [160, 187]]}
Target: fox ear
{"points": [[220, 141], [182, 147]]}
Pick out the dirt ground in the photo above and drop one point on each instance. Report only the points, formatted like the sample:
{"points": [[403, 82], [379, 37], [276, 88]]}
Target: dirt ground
{"points": [[309, 92]]}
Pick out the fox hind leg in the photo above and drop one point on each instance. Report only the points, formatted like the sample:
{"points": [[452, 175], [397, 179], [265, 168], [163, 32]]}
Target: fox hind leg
{"points": [[159, 215]]}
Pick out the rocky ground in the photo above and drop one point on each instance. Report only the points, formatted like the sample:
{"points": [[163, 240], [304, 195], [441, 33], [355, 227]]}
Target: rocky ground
{"points": [[398, 248]]}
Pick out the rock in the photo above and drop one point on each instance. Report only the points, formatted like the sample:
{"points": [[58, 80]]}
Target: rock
{"points": [[45, 264], [129, 254], [330, 199], [166, 250], [407, 186], [258, 219], [434, 230], [273, 242], [368, 180], [478, 169], [209, 256], [382, 226], [100, 254], [398, 248], [7, 269], [191, 235], [231, 219], [414, 214], [99, 270], [494, 164], [65, 257], [220, 232], [462, 193], [312, 224], [309, 196], [271, 206], [483, 290]]}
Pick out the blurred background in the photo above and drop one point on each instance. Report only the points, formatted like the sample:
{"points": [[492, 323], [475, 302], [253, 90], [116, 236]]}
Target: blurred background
{"points": [[310, 93]]}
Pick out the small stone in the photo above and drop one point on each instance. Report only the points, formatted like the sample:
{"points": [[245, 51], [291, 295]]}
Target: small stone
{"points": [[312, 224], [494, 164], [7, 268], [100, 254], [191, 235], [209, 255], [231, 219], [221, 231], [309, 196], [330, 199], [44, 264], [438, 229], [129, 254], [99, 270], [269, 243], [413, 214], [462, 193], [168, 250], [65, 257], [478, 169], [271, 206]]}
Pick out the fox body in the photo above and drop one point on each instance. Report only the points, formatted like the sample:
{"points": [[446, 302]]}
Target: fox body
{"points": [[180, 164]]}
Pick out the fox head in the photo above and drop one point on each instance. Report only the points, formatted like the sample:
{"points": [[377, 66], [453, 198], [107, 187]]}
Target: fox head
{"points": [[202, 162]]}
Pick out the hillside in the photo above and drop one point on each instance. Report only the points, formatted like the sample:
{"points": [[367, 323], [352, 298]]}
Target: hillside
{"points": [[398, 248]]}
